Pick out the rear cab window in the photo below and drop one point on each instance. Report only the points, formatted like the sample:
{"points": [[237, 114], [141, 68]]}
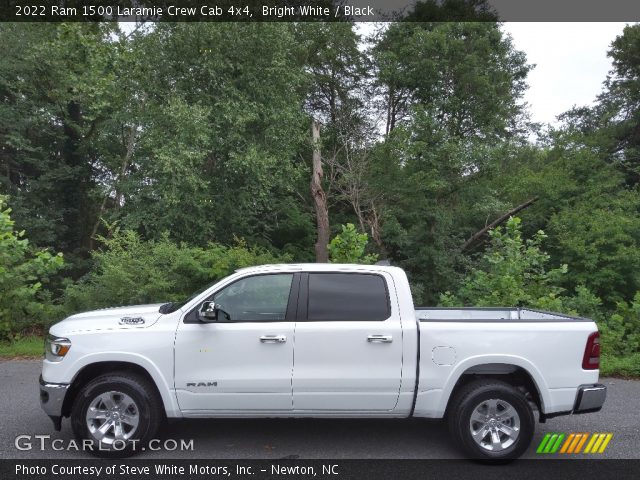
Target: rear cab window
{"points": [[347, 297]]}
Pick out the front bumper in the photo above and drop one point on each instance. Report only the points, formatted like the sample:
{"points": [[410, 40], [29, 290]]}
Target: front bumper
{"points": [[590, 398], [51, 400]]}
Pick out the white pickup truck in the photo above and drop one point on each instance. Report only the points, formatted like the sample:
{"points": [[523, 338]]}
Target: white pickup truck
{"points": [[318, 340]]}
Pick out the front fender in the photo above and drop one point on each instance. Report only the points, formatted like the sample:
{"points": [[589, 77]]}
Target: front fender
{"points": [[59, 372]]}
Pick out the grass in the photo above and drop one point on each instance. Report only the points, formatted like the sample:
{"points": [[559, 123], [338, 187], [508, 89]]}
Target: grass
{"points": [[26, 347]]}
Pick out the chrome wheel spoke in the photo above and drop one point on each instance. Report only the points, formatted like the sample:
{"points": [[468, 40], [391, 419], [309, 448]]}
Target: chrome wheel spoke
{"points": [[479, 434], [507, 412], [97, 414], [510, 432], [107, 400], [492, 406], [131, 420], [101, 431], [476, 416], [495, 440], [118, 432]]}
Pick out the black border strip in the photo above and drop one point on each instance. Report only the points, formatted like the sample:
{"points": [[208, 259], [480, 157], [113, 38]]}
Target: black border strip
{"points": [[328, 10], [545, 466]]}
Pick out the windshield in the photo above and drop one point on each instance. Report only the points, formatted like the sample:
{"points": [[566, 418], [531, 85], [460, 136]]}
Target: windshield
{"points": [[173, 306]]}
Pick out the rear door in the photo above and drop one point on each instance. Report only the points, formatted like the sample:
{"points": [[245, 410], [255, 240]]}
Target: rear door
{"points": [[348, 343]]}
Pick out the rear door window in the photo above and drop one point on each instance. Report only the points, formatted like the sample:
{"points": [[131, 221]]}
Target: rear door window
{"points": [[347, 297]]}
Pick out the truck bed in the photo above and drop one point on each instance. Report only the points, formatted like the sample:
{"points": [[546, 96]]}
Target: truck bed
{"points": [[548, 346]]}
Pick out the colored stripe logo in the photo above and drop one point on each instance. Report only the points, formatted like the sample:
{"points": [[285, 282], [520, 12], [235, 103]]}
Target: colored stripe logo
{"points": [[574, 443]]}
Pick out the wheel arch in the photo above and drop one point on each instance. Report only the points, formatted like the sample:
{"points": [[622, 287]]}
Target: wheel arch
{"points": [[94, 369], [515, 371]]}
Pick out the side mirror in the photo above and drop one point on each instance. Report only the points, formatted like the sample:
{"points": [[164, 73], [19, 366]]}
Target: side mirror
{"points": [[208, 312]]}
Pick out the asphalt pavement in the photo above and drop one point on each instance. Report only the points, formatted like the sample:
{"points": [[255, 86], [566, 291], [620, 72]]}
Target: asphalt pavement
{"points": [[20, 414]]}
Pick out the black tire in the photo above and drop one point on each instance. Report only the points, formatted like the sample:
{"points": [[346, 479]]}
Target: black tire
{"points": [[474, 395], [147, 408]]}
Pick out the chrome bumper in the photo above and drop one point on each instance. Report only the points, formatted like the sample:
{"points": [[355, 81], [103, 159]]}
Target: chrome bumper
{"points": [[590, 398], [51, 399]]}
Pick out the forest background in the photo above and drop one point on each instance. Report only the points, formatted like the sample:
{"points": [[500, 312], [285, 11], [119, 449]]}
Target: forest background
{"points": [[138, 165]]}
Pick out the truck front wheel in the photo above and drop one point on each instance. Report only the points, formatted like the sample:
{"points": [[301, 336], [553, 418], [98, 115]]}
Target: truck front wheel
{"points": [[491, 420], [116, 414]]}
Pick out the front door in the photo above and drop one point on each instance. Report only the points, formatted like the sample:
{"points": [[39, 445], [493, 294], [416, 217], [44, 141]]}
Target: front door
{"points": [[348, 344], [243, 361]]}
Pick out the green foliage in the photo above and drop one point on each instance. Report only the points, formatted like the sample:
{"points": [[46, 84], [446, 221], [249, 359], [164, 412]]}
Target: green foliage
{"points": [[621, 331], [458, 78], [452, 92], [86, 110], [514, 272], [511, 272], [23, 270], [202, 131], [628, 366], [601, 242], [349, 246], [618, 112], [584, 303], [230, 95], [130, 270], [57, 88]]}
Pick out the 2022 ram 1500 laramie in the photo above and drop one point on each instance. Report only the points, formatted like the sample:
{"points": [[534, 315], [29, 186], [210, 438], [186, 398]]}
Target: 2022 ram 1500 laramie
{"points": [[319, 340]]}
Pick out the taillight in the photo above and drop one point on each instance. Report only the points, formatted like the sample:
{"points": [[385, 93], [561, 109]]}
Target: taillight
{"points": [[591, 359]]}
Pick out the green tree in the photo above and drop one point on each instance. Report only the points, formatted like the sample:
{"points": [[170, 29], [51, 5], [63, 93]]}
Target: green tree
{"points": [[585, 205], [56, 89], [600, 239], [453, 78], [511, 272], [231, 96], [612, 126], [453, 115], [24, 304], [349, 247], [191, 129]]}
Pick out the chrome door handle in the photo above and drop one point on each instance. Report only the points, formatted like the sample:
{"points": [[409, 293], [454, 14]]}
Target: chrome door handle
{"points": [[379, 339], [273, 339]]}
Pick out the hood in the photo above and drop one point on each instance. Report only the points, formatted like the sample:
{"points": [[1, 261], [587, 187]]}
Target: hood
{"points": [[120, 318]]}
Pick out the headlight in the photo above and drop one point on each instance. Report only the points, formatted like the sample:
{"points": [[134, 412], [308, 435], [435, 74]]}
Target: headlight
{"points": [[55, 348]]}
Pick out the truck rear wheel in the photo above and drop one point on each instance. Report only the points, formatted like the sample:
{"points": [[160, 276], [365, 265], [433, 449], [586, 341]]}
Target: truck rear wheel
{"points": [[491, 420], [116, 414]]}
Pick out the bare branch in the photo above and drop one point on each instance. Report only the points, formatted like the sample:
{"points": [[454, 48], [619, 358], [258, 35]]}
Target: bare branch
{"points": [[476, 236]]}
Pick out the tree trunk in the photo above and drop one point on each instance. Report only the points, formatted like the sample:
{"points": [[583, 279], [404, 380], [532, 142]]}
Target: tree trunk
{"points": [[119, 197], [74, 188], [319, 197], [374, 225]]}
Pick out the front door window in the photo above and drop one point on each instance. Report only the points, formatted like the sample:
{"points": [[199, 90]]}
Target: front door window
{"points": [[255, 299]]}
